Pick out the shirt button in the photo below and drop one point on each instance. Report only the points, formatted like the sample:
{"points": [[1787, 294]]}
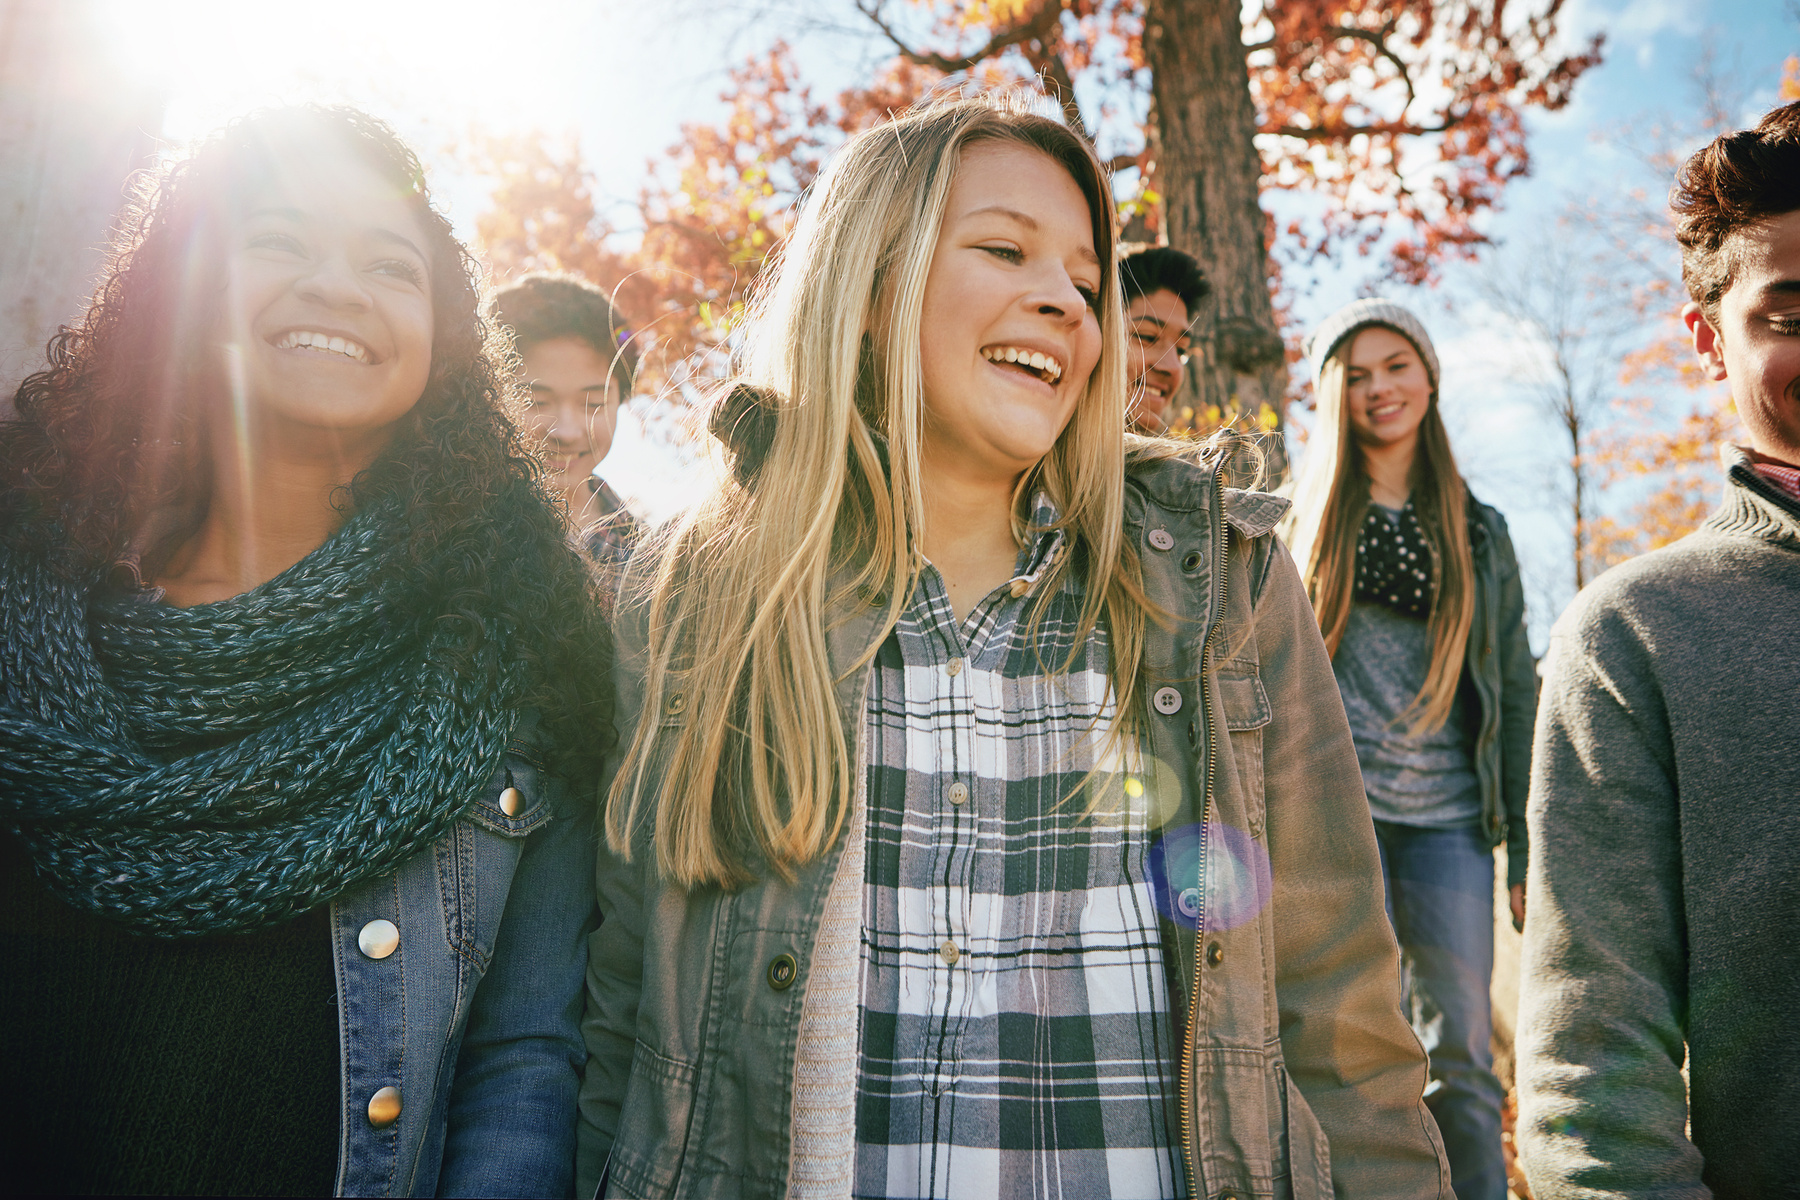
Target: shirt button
{"points": [[1162, 539], [1167, 701], [1019, 587], [954, 666], [948, 952], [384, 1107], [378, 939], [511, 801], [1215, 954], [959, 793]]}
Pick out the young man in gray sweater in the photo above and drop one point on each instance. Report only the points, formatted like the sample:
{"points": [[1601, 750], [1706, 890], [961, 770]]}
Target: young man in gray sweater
{"points": [[1664, 894]]}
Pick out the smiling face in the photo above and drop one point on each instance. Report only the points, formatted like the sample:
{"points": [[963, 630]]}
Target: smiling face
{"points": [[1754, 343], [1009, 329], [1156, 343], [1389, 391], [328, 308], [574, 407]]}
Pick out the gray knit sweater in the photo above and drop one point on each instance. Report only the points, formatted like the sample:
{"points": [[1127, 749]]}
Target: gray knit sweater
{"points": [[1664, 895]]}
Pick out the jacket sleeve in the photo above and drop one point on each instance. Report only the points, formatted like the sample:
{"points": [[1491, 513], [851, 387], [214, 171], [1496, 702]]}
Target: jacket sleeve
{"points": [[510, 1128], [1602, 1104], [1518, 707], [616, 949], [1337, 966]]}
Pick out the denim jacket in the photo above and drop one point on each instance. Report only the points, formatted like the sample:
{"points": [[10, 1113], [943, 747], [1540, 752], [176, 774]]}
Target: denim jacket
{"points": [[1298, 1073], [459, 986]]}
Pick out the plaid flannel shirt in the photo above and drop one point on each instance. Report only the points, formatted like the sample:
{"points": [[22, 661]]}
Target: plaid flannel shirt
{"points": [[1015, 1038], [610, 540]]}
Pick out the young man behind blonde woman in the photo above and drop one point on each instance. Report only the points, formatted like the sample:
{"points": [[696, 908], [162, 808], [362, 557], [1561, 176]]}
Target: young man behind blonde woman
{"points": [[936, 866]]}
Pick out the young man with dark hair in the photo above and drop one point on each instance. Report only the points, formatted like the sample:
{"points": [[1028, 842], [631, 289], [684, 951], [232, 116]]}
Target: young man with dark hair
{"points": [[1163, 292], [578, 363], [1665, 799]]}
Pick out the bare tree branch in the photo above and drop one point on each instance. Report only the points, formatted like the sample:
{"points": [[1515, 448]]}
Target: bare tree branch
{"points": [[1036, 27]]}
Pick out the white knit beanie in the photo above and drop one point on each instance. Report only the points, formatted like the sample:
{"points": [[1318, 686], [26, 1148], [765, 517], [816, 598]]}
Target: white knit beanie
{"points": [[1344, 324]]}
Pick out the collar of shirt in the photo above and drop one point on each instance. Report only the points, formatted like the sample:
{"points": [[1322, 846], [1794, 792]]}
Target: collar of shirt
{"points": [[1784, 477], [1044, 549]]}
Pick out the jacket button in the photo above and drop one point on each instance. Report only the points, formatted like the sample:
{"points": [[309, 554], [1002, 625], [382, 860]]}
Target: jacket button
{"points": [[948, 952], [378, 939], [1215, 954], [1167, 701], [675, 705], [1162, 539], [384, 1107], [1193, 733], [1189, 902], [1191, 561], [959, 793], [511, 801], [783, 970]]}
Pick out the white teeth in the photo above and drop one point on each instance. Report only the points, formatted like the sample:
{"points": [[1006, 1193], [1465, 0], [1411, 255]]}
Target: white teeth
{"points": [[1043, 363], [321, 341]]}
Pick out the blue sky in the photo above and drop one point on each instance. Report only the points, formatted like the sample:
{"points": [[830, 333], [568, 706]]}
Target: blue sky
{"points": [[622, 77]]}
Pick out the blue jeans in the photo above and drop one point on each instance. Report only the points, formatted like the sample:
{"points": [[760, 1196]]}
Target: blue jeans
{"points": [[1440, 895]]}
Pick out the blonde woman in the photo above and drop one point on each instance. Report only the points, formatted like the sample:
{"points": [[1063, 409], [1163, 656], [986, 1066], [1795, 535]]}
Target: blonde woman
{"points": [[1417, 592], [981, 833]]}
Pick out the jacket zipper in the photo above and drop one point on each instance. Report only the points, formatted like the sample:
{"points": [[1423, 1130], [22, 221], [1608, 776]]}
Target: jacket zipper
{"points": [[1189, 1102]]}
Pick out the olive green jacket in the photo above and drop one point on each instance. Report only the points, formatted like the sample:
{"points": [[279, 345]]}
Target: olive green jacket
{"points": [[1299, 1075]]}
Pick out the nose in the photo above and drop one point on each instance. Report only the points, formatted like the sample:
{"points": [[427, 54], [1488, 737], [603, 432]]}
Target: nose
{"points": [[335, 284], [1060, 299], [1169, 360], [569, 424]]}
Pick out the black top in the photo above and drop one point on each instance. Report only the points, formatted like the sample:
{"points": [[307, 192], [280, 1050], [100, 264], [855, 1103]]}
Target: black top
{"points": [[200, 1066]]}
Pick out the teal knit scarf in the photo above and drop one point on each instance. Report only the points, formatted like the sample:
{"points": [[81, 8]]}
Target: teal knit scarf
{"points": [[232, 765]]}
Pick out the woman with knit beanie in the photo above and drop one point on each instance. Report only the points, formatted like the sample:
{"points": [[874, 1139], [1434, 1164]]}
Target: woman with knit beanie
{"points": [[1417, 592], [300, 685]]}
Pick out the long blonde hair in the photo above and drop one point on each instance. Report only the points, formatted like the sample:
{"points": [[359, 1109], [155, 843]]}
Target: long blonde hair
{"points": [[1331, 500], [745, 584]]}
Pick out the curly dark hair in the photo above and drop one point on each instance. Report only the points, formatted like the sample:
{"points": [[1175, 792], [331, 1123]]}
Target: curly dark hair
{"points": [[106, 461], [1737, 179], [541, 307], [1162, 267]]}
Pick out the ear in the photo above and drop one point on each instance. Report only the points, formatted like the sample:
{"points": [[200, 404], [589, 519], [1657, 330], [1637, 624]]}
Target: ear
{"points": [[1709, 347]]}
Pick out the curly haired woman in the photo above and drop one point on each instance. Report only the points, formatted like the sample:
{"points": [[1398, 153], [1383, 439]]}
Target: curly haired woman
{"points": [[990, 827], [296, 704]]}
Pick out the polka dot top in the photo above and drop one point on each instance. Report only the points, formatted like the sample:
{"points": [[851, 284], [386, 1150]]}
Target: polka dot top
{"points": [[1393, 562]]}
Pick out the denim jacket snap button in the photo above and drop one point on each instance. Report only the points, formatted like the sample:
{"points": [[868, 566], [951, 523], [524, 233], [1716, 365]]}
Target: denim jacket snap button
{"points": [[378, 939], [1162, 539], [1167, 701], [384, 1107], [783, 970]]}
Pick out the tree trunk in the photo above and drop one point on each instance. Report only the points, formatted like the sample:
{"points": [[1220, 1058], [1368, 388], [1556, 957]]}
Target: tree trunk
{"points": [[1209, 172]]}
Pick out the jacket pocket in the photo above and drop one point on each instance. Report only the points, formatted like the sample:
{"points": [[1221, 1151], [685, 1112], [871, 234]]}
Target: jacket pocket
{"points": [[1304, 1157], [651, 1142], [1245, 706]]}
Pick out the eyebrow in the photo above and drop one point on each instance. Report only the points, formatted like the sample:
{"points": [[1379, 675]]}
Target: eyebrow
{"points": [[1027, 220], [378, 232]]}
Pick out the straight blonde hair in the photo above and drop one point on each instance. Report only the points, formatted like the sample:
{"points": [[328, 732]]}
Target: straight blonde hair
{"points": [[744, 585], [1331, 501]]}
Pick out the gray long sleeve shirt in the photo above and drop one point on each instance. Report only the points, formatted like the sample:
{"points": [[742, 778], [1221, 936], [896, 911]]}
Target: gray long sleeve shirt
{"points": [[1665, 880]]}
